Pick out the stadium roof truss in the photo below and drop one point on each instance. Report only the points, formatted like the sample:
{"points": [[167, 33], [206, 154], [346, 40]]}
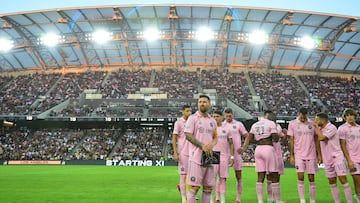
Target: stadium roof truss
{"points": [[336, 37]]}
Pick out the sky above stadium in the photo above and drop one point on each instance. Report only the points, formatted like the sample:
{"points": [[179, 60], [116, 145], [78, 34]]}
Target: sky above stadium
{"points": [[343, 7]]}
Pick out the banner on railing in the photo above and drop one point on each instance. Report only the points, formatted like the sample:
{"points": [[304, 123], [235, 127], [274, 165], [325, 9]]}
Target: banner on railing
{"points": [[33, 162]]}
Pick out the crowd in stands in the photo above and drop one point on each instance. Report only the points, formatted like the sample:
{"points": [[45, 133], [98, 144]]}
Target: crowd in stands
{"points": [[18, 94], [167, 112], [85, 144], [74, 109], [71, 86], [44, 144], [124, 82], [177, 84], [97, 145], [10, 142], [281, 93], [335, 93], [36, 93], [126, 113], [4, 80], [141, 144], [228, 85]]}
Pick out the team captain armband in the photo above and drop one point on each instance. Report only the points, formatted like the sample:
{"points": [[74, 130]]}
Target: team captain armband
{"points": [[208, 160]]}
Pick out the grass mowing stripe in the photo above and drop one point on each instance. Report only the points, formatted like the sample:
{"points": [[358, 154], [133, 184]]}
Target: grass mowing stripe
{"points": [[128, 184]]}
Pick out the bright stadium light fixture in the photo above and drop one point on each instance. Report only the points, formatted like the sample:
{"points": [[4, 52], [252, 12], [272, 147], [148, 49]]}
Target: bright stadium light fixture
{"points": [[49, 39], [258, 37], [308, 42], [204, 34], [101, 36], [6, 45], [151, 34]]}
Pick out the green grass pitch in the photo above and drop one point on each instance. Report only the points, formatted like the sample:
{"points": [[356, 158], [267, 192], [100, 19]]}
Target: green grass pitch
{"points": [[127, 184]]}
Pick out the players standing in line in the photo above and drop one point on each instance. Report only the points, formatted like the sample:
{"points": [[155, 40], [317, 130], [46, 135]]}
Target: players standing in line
{"points": [[349, 134], [304, 152], [237, 130], [181, 149], [226, 147], [200, 131], [332, 156], [265, 133], [277, 146]]}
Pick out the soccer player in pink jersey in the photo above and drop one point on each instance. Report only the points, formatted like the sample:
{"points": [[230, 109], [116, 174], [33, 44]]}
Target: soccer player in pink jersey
{"points": [[237, 130], [349, 134], [304, 152], [181, 149], [332, 156], [265, 133], [200, 131], [226, 147], [278, 152]]}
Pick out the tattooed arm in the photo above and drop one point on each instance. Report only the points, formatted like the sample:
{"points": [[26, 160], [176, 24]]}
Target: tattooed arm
{"points": [[193, 140]]}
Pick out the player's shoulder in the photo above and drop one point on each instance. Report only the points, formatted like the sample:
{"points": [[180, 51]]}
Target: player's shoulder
{"points": [[238, 123], [293, 121], [260, 122], [267, 121], [342, 126], [178, 120], [330, 126], [193, 116]]}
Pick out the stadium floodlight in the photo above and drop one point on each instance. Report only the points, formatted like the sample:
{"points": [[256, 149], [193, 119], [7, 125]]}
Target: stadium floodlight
{"points": [[101, 36], [151, 34], [6, 45], [50, 39], [242, 36], [258, 37], [204, 34], [308, 42]]}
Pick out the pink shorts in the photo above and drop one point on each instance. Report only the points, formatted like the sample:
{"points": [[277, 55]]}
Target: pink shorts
{"points": [[238, 163], [222, 169], [183, 164], [310, 166], [198, 175], [265, 159], [337, 168]]}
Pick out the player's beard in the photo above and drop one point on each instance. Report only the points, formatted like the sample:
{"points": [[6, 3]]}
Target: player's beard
{"points": [[203, 109]]}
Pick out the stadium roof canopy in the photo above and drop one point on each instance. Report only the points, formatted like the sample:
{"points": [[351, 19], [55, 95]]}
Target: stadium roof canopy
{"points": [[232, 38]]}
